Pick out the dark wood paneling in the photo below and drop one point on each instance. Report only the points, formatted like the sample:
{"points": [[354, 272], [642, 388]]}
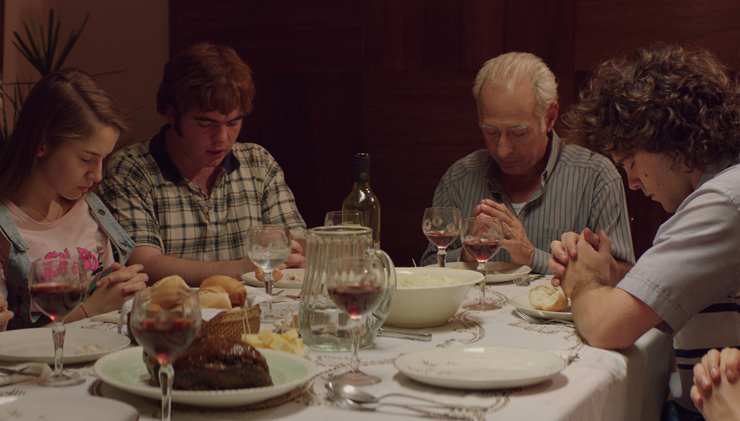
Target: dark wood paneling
{"points": [[393, 78], [277, 36], [606, 27], [415, 125]]}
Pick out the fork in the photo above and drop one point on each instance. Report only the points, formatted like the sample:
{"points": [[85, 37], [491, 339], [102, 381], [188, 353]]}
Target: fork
{"points": [[526, 317], [521, 281], [13, 392]]}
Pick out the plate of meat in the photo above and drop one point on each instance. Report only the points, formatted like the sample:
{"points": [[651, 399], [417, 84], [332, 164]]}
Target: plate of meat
{"points": [[127, 370]]}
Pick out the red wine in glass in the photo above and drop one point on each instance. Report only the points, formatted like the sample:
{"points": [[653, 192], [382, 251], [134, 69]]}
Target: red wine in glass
{"points": [[165, 339], [441, 238], [356, 300], [482, 249], [57, 300]]}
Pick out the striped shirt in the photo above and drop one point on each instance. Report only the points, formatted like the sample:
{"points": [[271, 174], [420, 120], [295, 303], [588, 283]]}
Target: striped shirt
{"points": [[579, 189], [158, 207], [691, 274]]}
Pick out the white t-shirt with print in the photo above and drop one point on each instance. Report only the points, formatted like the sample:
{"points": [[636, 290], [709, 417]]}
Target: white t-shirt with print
{"points": [[75, 235]]}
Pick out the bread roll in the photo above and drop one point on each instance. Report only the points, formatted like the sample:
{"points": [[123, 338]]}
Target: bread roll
{"points": [[214, 297], [235, 289], [171, 281], [260, 275], [165, 292], [547, 298]]}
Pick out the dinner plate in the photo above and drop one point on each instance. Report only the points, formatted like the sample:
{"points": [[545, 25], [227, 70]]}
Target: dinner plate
{"points": [[496, 272], [480, 367], [37, 345], [126, 370], [64, 408], [522, 303], [292, 278]]}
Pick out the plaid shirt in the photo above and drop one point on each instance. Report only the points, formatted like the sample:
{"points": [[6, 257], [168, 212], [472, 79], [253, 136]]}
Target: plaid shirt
{"points": [[157, 206]]}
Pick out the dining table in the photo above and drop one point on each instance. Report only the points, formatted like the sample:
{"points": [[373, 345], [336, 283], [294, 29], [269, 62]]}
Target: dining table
{"points": [[596, 384]]}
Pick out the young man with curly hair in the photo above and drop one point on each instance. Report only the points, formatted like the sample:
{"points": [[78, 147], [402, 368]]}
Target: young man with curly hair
{"points": [[670, 117]]}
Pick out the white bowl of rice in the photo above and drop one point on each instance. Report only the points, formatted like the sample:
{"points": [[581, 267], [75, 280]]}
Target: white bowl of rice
{"points": [[429, 296]]}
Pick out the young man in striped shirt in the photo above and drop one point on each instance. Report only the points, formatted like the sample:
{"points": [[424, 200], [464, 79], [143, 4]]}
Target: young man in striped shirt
{"points": [[671, 118], [539, 187]]}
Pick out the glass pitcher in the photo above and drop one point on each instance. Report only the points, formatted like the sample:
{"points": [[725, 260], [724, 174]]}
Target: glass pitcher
{"points": [[323, 326]]}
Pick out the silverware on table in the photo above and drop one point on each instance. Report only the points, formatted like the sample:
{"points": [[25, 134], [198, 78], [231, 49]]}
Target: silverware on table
{"points": [[521, 281], [415, 336], [448, 415], [362, 397], [15, 369], [535, 320], [12, 392]]}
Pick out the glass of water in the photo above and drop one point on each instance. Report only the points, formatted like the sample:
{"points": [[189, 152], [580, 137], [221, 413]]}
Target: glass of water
{"points": [[268, 246]]}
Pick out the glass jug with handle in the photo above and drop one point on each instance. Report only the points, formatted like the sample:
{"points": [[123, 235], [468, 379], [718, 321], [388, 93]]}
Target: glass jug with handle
{"points": [[323, 325]]}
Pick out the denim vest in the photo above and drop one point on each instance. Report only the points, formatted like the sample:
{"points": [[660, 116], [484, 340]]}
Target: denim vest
{"points": [[18, 266]]}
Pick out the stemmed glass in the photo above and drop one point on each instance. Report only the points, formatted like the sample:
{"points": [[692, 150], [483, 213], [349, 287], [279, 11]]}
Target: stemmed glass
{"points": [[482, 237], [268, 245], [347, 217], [356, 285], [442, 227], [57, 286], [165, 321]]}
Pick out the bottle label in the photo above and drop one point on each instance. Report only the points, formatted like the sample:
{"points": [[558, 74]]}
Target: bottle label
{"points": [[376, 246]]}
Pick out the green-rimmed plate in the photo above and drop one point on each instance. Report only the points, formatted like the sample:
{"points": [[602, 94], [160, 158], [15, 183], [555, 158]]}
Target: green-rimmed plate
{"points": [[126, 370]]}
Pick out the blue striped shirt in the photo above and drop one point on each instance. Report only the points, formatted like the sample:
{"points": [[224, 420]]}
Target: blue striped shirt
{"points": [[579, 189], [691, 274]]}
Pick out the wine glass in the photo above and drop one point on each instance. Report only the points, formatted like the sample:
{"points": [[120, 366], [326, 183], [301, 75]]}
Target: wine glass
{"points": [[346, 217], [441, 226], [356, 285], [57, 286], [165, 321], [268, 245], [482, 237]]}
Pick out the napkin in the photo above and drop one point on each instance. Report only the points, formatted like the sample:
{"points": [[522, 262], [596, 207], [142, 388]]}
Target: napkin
{"points": [[257, 296], [33, 371]]}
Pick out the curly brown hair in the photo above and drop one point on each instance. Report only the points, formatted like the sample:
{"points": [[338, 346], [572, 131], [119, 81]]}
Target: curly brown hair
{"points": [[663, 99]]}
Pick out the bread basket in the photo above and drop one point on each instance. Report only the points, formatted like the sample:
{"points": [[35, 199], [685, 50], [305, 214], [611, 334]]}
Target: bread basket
{"points": [[233, 323]]}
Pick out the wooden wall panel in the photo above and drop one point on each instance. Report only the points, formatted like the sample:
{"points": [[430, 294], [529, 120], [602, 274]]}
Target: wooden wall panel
{"points": [[280, 36], [606, 27], [393, 78], [415, 125]]}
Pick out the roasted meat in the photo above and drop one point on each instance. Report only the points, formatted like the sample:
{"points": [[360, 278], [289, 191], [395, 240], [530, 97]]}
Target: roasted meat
{"points": [[216, 363]]}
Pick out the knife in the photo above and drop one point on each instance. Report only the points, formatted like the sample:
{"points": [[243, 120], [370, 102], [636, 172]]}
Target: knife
{"points": [[424, 337]]}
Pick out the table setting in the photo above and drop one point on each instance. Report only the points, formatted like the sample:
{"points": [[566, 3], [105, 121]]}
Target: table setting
{"points": [[374, 339]]}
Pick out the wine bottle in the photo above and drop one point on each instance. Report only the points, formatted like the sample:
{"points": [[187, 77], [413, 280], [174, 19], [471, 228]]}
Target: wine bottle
{"points": [[362, 199]]}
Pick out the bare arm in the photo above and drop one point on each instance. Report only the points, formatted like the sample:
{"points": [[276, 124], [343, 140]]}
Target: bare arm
{"points": [[606, 316], [158, 265]]}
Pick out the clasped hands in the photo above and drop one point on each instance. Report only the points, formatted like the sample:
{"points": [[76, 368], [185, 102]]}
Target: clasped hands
{"points": [[515, 241], [716, 389], [579, 257]]}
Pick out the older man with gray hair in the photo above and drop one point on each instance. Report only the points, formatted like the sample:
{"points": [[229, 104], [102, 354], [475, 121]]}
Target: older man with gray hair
{"points": [[539, 187]]}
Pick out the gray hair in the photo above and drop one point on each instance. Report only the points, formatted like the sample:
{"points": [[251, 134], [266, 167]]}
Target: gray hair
{"points": [[507, 69]]}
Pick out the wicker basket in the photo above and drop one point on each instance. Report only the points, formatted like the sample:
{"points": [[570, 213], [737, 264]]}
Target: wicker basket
{"points": [[233, 323]]}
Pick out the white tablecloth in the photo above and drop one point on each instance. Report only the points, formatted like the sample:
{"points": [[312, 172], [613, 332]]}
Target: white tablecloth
{"points": [[627, 385]]}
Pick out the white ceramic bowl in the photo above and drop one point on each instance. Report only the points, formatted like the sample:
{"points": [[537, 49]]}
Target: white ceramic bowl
{"points": [[426, 306]]}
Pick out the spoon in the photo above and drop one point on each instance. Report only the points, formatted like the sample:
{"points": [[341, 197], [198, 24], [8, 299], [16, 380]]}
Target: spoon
{"points": [[346, 402], [354, 394]]}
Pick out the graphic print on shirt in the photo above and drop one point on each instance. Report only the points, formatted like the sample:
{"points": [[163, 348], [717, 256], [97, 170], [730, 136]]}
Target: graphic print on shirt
{"points": [[88, 259]]}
